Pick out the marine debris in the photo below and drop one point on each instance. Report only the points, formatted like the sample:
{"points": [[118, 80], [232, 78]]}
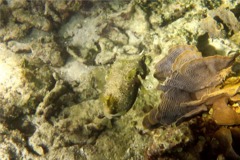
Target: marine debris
{"points": [[193, 83]]}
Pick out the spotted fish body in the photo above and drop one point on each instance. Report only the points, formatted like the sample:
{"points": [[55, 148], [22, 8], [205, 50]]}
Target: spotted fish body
{"points": [[122, 85], [188, 72]]}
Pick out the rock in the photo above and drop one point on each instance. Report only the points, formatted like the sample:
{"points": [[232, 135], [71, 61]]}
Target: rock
{"points": [[224, 138]]}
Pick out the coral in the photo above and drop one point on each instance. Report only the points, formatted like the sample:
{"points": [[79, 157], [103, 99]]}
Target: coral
{"points": [[235, 38], [212, 4], [18, 17], [53, 110], [3, 15], [18, 47], [44, 14], [71, 126], [13, 143], [199, 74], [219, 99], [210, 26], [35, 20], [224, 144], [167, 140], [13, 31], [191, 78], [22, 85], [164, 67], [107, 54], [49, 51], [61, 10], [45, 109], [45, 48], [223, 114], [169, 11], [214, 23], [227, 17], [82, 35], [114, 34]]}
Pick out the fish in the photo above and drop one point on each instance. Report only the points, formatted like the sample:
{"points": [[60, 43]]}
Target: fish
{"points": [[122, 84]]}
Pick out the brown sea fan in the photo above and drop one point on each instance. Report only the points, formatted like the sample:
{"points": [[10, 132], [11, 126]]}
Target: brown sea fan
{"points": [[189, 77]]}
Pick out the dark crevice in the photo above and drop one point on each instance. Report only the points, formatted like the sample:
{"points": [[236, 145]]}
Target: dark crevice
{"points": [[204, 46]]}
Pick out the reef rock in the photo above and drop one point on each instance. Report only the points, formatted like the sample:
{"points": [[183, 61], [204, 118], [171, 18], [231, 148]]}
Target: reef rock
{"points": [[169, 139], [225, 140], [216, 21]]}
